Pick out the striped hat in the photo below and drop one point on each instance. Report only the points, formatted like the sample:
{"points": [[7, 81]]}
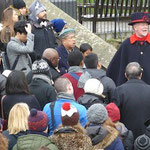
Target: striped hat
{"points": [[37, 120]]}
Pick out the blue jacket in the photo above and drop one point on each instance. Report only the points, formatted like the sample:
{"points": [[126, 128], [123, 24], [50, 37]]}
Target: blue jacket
{"points": [[116, 145], [57, 113]]}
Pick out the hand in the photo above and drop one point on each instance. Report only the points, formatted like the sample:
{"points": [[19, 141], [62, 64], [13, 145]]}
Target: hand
{"points": [[28, 28]]}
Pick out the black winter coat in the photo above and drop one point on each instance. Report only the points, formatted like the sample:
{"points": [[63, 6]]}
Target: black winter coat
{"points": [[130, 53], [89, 99], [10, 100], [44, 92], [133, 100], [44, 38]]}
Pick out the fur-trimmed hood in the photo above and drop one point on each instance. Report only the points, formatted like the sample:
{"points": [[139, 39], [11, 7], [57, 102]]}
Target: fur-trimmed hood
{"points": [[71, 138], [99, 133]]}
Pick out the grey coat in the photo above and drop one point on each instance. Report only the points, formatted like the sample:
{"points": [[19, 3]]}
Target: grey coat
{"points": [[15, 48]]}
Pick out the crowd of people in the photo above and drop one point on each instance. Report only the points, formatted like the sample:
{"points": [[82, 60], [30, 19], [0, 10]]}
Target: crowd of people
{"points": [[55, 95]]}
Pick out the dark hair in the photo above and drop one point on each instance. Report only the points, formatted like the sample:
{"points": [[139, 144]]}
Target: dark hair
{"points": [[91, 61], [84, 47], [133, 70], [16, 83], [20, 27], [61, 84], [75, 58]]}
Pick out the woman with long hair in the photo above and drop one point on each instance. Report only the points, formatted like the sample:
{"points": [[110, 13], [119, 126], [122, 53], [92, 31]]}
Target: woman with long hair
{"points": [[17, 91], [9, 17], [17, 123]]}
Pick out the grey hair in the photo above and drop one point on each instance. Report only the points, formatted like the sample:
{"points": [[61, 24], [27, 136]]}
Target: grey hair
{"points": [[133, 70]]}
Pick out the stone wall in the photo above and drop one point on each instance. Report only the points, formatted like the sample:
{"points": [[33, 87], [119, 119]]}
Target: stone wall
{"points": [[104, 50]]}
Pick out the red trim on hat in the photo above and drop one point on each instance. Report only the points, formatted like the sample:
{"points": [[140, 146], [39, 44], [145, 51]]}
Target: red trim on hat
{"points": [[134, 38], [140, 20]]}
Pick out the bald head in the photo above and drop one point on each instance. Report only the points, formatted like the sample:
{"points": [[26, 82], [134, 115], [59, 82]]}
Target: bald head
{"points": [[133, 70], [49, 53], [52, 55]]}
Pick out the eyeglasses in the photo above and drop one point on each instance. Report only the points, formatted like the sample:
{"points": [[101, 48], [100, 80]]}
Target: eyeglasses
{"points": [[57, 58]]}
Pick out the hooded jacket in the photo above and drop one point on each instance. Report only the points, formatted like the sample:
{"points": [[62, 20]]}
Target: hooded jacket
{"points": [[103, 139]]}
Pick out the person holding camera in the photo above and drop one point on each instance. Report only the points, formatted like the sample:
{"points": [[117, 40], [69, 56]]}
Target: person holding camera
{"points": [[17, 50]]}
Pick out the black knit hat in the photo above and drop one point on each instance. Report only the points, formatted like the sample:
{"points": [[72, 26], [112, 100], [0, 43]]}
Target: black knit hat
{"points": [[19, 4], [142, 143]]}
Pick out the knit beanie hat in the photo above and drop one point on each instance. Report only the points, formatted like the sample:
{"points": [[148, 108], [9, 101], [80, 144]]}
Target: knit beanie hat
{"points": [[93, 86], [39, 7], [142, 143], [37, 120], [65, 32], [58, 24], [18, 4], [113, 112], [40, 66], [36, 7], [69, 115], [97, 113]]}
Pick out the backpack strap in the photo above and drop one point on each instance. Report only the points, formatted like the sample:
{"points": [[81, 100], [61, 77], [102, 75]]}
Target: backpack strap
{"points": [[15, 62], [52, 105], [5, 61], [74, 75]]}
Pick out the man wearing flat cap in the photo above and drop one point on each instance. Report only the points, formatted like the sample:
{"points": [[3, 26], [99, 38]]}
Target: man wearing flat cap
{"points": [[134, 49], [67, 37]]}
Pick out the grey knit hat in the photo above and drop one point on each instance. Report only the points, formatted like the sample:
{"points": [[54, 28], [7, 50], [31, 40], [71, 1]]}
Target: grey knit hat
{"points": [[36, 7], [142, 143], [97, 113]]}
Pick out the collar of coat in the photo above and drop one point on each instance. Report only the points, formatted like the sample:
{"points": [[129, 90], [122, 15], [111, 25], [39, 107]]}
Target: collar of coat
{"points": [[134, 38]]}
